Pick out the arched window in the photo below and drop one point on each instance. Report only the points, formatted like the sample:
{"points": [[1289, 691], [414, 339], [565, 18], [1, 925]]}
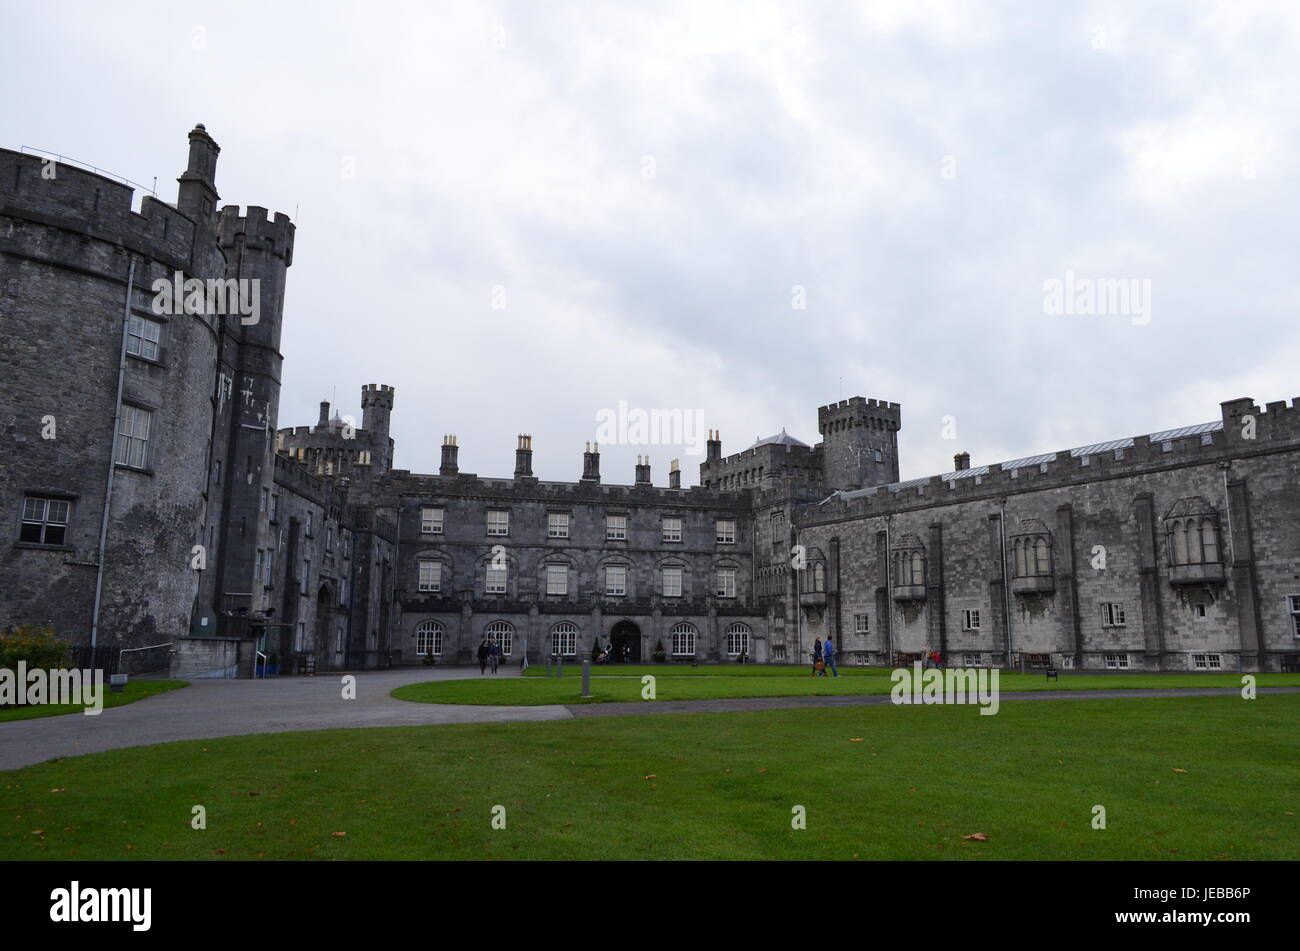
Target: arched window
{"points": [[819, 577], [1179, 538], [737, 639], [503, 633], [1209, 540], [564, 638], [428, 639], [1042, 556], [683, 640]]}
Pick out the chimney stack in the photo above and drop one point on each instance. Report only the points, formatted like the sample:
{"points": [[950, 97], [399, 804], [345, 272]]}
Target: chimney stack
{"points": [[674, 475], [524, 457], [449, 451], [961, 461], [642, 470], [324, 413], [591, 463], [714, 446]]}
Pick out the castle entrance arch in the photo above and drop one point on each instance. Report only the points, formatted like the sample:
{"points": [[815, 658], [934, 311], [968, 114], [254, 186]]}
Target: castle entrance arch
{"points": [[626, 634]]}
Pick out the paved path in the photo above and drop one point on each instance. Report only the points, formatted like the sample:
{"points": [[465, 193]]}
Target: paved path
{"points": [[213, 708]]}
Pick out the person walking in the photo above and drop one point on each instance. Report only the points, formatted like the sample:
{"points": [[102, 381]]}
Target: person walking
{"points": [[483, 653], [817, 656], [829, 653], [936, 660], [494, 654]]}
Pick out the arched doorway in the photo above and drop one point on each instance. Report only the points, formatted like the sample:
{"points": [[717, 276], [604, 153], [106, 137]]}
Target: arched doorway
{"points": [[625, 636]]}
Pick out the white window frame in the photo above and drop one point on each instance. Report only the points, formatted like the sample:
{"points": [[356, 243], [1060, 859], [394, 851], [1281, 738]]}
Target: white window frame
{"points": [[1110, 611], [495, 578], [431, 519], [738, 638], [616, 581], [557, 579], [557, 524], [1116, 661], [430, 578], [428, 638], [564, 638], [861, 624], [616, 528], [1293, 603], [498, 522], [673, 590], [1207, 661], [726, 582], [45, 511], [672, 528], [133, 437], [683, 639], [971, 660], [970, 619], [143, 337], [503, 633], [723, 534]]}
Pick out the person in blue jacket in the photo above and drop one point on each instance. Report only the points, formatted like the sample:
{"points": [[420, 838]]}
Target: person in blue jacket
{"points": [[828, 651]]}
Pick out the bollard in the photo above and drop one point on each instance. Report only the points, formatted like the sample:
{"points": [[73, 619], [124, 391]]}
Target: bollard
{"points": [[116, 683], [559, 665], [586, 680]]}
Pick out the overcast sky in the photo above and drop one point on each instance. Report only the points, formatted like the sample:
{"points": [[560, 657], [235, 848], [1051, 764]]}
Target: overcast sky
{"points": [[652, 185]]}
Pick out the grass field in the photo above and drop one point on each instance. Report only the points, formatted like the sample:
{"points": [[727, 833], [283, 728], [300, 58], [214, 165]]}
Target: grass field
{"points": [[133, 691], [610, 684], [1181, 778]]}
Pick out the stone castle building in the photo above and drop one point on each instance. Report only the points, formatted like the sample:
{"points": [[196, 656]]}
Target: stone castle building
{"points": [[1177, 550]]}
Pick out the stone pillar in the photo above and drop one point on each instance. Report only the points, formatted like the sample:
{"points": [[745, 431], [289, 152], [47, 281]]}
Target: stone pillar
{"points": [[1243, 575], [1067, 588], [934, 606], [1149, 581]]}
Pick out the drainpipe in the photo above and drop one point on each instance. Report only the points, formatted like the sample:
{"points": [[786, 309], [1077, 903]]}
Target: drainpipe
{"points": [[112, 458], [889, 592], [1006, 591]]}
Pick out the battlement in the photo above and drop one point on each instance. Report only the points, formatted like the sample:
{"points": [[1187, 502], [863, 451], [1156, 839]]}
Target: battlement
{"points": [[859, 408], [377, 394], [1278, 425], [257, 230], [92, 204], [504, 491]]}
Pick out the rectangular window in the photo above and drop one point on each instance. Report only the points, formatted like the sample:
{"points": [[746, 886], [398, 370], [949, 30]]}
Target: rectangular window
{"points": [[45, 521], [133, 437], [557, 524], [306, 576], [263, 501], [726, 531], [311, 522], [861, 623], [616, 580], [142, 337], [498, 522], [672, 529], [970, 620], [329, 538], [726, 582], [616, 527], [672, 582], [300, 638], [258, 565], [431, 521], [1112, 614], [1117, 661], [971, 660], [1293, 602], [275, 506], [496, 579], [1207, 661], [557, 579], [431, 576], [270, 567]]}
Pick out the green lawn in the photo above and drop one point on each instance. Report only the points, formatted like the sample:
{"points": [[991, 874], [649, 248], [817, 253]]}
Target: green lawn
{"points": [[673, 683], [134, 690], [1181, 778]]}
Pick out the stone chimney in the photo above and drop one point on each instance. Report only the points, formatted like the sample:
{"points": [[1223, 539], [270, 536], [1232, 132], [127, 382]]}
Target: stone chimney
{"points": [[591, 463], [324, 414], [961, 461], [674, 475], [449, 451], [524, 457], [714, 446], [642, 470]]}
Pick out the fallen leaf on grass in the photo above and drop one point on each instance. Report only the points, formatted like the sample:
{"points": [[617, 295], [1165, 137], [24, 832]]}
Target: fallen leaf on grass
{"points": [[856, 739], [652, 776], [977, 837], [1177, 770], [63, 789]]}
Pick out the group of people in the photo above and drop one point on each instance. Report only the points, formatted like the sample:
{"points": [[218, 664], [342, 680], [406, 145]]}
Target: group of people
{"points": [[612, 654], [489, 655], [824, 656]]}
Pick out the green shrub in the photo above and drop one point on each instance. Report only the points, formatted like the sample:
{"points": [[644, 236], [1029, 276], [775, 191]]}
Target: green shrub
{"points": [[38, 646]]}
